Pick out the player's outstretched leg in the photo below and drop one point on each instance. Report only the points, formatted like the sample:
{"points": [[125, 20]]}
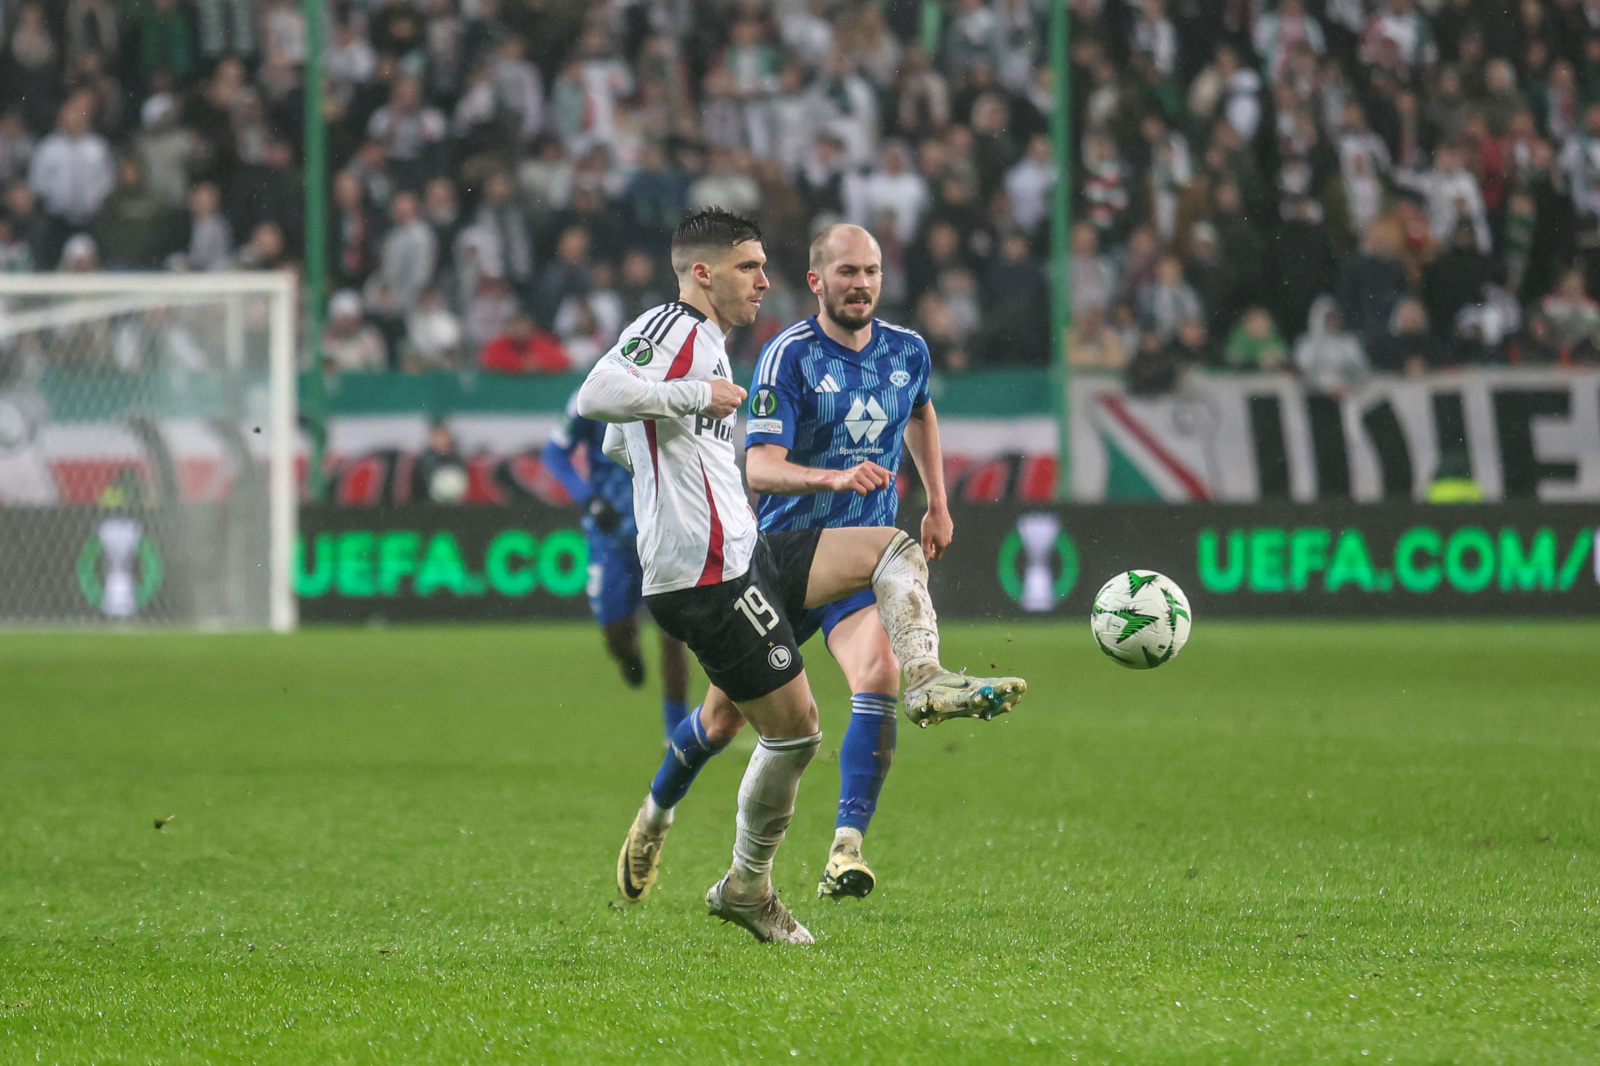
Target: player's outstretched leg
{"points": [[689, 748], [933, 694], [745, 895]]}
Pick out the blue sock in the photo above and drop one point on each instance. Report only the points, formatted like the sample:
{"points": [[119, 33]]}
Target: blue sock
{"points": [[673, 712], [688, 751], [864, 758]]}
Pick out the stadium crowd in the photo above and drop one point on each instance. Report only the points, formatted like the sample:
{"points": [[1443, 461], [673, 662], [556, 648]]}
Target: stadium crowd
{"points": [[1338, 186]]}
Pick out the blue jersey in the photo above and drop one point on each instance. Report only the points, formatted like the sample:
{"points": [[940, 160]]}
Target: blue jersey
{"points": [[833, 408], [606, 479]]}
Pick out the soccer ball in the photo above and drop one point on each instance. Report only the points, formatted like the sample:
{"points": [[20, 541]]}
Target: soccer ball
{"points": [[1140, 619], [448, 485]]}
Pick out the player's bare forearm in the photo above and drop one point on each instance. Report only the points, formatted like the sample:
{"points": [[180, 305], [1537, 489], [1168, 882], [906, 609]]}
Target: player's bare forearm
{"points": [[922, 441], [769, 471]]}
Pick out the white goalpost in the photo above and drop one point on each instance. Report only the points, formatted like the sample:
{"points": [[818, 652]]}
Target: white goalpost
{"points": [[148, 449]]}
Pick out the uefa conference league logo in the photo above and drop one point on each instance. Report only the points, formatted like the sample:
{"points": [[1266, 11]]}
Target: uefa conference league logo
{"points": [[119, 569], [1038, 562]]}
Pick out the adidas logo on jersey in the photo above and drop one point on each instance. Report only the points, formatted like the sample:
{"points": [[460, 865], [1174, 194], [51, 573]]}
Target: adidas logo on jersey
{"points": [[827, 384]]}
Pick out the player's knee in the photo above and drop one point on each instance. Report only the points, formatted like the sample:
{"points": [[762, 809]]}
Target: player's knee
{"points": [[880, 674], [721, 721]]}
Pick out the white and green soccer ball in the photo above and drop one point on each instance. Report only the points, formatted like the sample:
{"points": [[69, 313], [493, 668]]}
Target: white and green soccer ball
{"points": [[1140, 619]]}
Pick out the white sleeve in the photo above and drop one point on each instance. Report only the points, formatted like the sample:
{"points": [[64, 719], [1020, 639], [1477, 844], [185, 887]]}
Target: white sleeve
{"points": [[615, 448], [614, 392]]}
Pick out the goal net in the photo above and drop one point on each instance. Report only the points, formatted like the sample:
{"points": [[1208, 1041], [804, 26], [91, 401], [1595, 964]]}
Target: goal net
{"points": [[147, 450]]}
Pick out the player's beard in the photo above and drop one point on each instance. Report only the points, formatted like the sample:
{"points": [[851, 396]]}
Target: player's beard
{"points": [[843, 314]]}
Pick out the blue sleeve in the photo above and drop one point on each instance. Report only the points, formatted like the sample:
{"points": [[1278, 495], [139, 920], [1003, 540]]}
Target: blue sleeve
{"points": [[774, 406], [924, 376], [557, 458]]}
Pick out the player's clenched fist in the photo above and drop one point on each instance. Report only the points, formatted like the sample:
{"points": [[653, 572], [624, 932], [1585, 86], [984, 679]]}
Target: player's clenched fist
{"points": [[725, 398], [860, 479]]}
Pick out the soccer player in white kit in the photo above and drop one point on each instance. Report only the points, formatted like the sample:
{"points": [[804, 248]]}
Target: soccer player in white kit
{"points": [[714, 582]]}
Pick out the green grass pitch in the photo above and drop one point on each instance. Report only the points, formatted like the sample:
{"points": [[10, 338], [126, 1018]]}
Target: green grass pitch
{"points": [[1295, 844]]}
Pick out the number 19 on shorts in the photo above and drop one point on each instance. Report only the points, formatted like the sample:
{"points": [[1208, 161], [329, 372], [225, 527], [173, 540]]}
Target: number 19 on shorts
{"points": [[757, 611]]}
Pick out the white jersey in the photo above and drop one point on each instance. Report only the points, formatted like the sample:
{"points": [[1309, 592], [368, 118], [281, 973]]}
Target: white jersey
{"points": [[689, 500]]}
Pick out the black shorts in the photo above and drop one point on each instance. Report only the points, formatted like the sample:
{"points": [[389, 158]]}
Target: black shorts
{"points": [[741, 630]]}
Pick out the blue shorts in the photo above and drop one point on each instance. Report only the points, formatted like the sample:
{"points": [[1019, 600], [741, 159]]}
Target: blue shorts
{"points": [[831, 614], [616, 581]]}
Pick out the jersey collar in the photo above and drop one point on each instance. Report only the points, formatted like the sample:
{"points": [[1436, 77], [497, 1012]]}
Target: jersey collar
{"points": [[839, 349], [706, 323]]}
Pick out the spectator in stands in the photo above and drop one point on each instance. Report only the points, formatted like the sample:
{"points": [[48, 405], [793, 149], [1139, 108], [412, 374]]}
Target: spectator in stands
{"points": [[265, 250], [509, 240], [166, 41], [15, 255], [1153, 369], [895, 186], [135, 229], [72, 172], [1169, 301], [33, 66], [566, 275], [409, 130], [1456, 279], [349, 343], [524, 348], [166, 149], [210, 245], [1452, 193], [16, 147], [640, 290], [433, 335], [406, 263], [1091, 346], [1093, 276], [80, 255], [1255, 343], [1409, 345], [1370, 284], [1018, 324], [1329, 359], [1572, 315], [440, 473]]}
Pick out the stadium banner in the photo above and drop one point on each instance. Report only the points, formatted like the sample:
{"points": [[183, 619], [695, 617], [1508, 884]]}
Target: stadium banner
{"points": [[1224, 438], [1523, 434], [1278, 560], [429, 563], [87, 566], [1230, 438]]}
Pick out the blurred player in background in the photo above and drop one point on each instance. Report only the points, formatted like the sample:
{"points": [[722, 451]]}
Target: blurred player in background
{"points": [[615, 576]]}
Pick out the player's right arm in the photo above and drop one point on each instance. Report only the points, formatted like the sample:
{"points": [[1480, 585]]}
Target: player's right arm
{"points": [[770, 472], [618, 391]]}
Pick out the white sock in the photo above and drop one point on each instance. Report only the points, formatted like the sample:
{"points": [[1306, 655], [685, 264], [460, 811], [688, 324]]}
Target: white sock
{"points": [[766, 803], [656, 816], [900, 581], [847, 838]]}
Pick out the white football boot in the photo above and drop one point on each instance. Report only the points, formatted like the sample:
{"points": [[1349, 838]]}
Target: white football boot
{"points": [[768, 920], [945, 695]]}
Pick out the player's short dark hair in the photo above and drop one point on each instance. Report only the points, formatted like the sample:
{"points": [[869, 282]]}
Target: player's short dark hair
{"points": [[710, 228]]}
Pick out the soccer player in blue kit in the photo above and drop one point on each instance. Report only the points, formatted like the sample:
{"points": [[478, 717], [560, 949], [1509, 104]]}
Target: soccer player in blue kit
{"points": [[615, 576], [833, 399]]}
